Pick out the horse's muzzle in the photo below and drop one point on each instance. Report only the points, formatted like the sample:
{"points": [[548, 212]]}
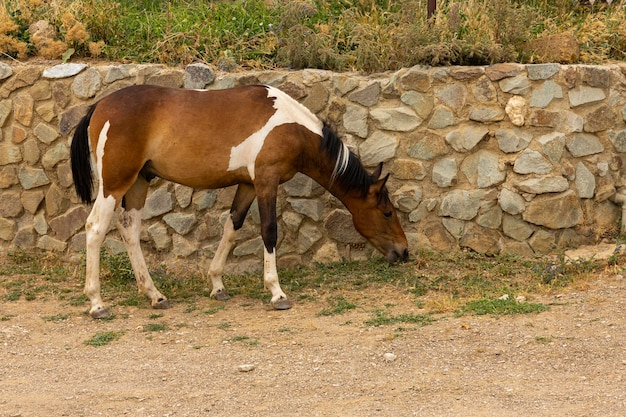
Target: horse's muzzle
{"points": [[396, 255]]}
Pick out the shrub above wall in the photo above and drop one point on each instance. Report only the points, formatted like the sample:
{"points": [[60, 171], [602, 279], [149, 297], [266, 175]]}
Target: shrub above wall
{"points": [[511, 158]]}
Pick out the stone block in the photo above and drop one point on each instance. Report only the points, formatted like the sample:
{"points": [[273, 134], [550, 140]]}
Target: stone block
{"points": [[367, 96], [87, 84], [583, 144], [10, 204], [32, 177], [339, 227], [158, 202], [317, 98], [10, 154], [452, 96], [513, 140], [310, 208], [445, 172], [7, 229], [31, 200], [417, 79], [511, 202], [532, 162], [182, 223], [481, 239], [461, 204], [483, 169], [554, 211], [398, 119], [408, 169], [466, 138], [379, 147], [67, 224], [428, 148]]}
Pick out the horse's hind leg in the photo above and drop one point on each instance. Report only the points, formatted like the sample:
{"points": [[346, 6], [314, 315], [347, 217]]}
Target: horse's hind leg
{"points": [[129, 226], [241, 204], [96, 228]]}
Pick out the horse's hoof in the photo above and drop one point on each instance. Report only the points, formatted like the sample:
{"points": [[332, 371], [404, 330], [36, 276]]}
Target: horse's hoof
{"points": [[162, 304], [281, 304], [220, 295], [100, 313]]}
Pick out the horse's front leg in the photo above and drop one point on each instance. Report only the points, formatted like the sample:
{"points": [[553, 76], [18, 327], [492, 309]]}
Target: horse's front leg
{"points": [[269, 232], [244, 197], [96, 227]]}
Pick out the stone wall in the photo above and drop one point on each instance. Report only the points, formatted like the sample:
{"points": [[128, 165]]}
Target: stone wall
{"points": [[512, 158]]}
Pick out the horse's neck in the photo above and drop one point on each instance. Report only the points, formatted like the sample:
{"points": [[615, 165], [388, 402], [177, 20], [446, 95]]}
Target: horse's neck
{"points": [[320, 169]]}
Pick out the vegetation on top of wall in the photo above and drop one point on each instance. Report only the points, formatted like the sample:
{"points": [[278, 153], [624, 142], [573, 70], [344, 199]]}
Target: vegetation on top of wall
{"points": [[340, 35]]}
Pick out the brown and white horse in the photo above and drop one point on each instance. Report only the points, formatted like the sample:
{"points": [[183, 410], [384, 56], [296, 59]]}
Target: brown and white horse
{"points": [[255, 136]]}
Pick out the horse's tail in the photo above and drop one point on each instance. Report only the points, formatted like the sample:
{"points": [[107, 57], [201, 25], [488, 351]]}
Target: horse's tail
{"points": [[81, 159]]}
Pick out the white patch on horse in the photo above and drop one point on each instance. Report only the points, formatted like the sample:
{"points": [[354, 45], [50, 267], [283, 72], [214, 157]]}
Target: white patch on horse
{"points": [[270, 275], [96, 228], [288, 110], [102, 140]]}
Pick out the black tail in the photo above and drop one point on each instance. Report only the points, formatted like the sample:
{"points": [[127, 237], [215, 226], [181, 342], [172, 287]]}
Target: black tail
{"points": [[81, 159]]}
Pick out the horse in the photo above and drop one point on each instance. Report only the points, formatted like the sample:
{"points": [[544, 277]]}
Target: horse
{"points": [[255, 137]]}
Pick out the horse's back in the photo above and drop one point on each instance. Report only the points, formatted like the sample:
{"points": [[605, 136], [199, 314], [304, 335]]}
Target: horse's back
{"points": [[193, 137]]}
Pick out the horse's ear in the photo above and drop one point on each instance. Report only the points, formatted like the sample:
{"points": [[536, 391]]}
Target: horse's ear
{"points": [[377, 171], [379, 185]]}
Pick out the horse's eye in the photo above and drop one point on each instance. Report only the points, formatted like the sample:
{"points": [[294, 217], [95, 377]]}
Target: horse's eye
{"points": [[388, 214]]}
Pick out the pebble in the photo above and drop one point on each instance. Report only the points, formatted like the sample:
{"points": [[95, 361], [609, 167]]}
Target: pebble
{"points": [[389, 357], [247, 367]]}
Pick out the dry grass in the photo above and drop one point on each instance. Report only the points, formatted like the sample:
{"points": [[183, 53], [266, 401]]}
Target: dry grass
{"points": [[434, 282], [366, 35]]}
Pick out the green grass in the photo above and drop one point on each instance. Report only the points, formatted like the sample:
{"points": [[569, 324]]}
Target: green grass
{"points": [[338, 35], [245, 340], [543, 340], [437, 282], [500, 307], [155, 327], [383, 318], [337, 305], [57, 318], [103, 338]]}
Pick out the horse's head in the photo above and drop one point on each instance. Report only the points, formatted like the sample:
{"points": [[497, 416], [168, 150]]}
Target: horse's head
{"points": [[375, 217]]}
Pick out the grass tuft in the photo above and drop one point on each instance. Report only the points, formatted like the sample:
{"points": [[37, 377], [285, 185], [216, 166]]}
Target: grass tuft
{"points": [[382, 318], [103, 338], [500, 307], [337, 305], [155, 327]]}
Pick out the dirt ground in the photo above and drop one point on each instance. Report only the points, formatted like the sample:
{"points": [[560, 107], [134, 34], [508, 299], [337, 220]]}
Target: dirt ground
{"points": [[240, 359]]}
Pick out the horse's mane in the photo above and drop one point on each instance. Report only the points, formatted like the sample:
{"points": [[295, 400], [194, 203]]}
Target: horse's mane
{"points": [[348, 171]]}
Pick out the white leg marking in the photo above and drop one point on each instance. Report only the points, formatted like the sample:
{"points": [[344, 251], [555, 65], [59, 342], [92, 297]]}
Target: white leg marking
{"points": [[129, 226], [219, 260], [96, 228], [270, 276], [288, 110]]}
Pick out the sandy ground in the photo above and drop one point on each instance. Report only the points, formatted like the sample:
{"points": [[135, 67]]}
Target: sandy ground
{"points": [[567, 361]]}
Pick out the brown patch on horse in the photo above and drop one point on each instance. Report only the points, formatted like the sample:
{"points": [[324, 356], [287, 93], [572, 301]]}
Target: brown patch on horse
{"points": [[176, 148]]}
